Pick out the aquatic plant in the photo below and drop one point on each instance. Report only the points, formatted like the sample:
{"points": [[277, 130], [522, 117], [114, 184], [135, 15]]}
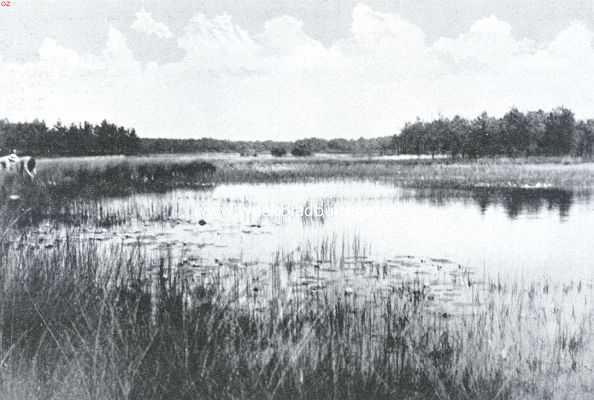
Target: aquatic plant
{"points": [[85, 321]]}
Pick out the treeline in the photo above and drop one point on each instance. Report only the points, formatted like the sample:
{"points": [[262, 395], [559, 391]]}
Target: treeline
{"points": [[535, 133], [203, 145], [381, 145], [279, 148], [36, 138]]}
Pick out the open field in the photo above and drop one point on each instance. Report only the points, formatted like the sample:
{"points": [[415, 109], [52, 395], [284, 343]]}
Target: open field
{"points": [[117, 283]]}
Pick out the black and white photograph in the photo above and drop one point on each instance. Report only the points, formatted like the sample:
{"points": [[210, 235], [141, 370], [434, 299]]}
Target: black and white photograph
{"points": [[296, 200]]}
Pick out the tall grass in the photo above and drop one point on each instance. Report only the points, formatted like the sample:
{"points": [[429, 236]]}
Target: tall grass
{"points": [[419, 174], [83, 321], [69, 192], [560, 173], [66, 190]]}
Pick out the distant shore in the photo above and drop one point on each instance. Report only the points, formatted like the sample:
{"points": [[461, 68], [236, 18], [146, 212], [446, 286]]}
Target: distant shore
{"points": [[540, 172]]}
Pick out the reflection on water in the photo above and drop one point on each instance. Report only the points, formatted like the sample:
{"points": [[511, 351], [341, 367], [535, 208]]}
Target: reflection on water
{"points": [[497, 231], [515, 201], [524, 200], [294, 240]]}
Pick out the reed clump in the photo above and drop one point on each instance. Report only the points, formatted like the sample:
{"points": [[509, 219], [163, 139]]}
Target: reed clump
{"points": [[89, 321]]}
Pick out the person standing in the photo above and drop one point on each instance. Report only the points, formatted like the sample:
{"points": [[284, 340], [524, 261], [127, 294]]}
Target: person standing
{"points": [[13, 160]]}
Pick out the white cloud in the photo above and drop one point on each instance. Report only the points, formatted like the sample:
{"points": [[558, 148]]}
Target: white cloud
{"points": [[285, 34], [282, 83], [145, 23], [491, 25], [283, 41], [575, 42], [52, 54], [218, 44], [488, 43], [372, 29], [117, 54]]}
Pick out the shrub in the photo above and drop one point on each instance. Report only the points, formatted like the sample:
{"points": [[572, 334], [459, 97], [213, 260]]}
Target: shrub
{"points": [[301, 149], [278, 151]]}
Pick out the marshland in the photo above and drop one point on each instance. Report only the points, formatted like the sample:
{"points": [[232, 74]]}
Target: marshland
{"points": [[300, 200], [327, 276]]}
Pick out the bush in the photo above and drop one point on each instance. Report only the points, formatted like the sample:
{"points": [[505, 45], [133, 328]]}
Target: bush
{"points": [[278, 151], [301, 149]]}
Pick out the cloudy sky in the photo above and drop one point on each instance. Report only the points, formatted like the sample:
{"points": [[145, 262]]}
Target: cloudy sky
{"points": [[285, 69]]}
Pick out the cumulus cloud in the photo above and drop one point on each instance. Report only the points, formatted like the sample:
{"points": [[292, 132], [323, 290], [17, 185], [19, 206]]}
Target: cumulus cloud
{"points": [[375, 30], [145, 23], [488, 43], [282, 83], [218, 44], [575, 42]]}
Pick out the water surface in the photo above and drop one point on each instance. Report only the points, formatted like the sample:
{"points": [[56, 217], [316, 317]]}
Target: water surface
{"points": [[528, 231]]}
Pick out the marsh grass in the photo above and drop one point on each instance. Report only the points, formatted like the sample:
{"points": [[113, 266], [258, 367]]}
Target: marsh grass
{"points": [[70, 190], [560, 173], [497, 173], [125, 177], [83, 321]]}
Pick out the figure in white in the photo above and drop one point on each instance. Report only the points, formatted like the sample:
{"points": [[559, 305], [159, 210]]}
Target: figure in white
{"points": [[14, 163]]}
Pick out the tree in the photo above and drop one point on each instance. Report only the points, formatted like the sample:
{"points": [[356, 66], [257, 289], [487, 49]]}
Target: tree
{"points": [[457, 132], [132, 143], [584, 138], [536, 131], [559, 132], [515, 133], [340, 146], [395, 144], [432, 138], [278, 151], [479, 141], [302, 148], [413, 137], [386, 145]]}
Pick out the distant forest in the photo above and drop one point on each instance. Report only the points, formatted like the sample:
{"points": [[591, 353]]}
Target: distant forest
{"points": [[37, 139], [535, 133]]}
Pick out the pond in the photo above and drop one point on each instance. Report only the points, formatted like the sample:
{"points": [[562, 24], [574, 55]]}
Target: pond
{"points": [[287, 241], [521, 231]]}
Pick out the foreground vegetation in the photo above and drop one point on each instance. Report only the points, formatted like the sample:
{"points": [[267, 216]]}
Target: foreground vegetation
{"points": [[81, 321]]}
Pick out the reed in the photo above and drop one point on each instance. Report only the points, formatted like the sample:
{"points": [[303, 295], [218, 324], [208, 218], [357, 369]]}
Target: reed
{"points": [[560, 173], [110, 322]]}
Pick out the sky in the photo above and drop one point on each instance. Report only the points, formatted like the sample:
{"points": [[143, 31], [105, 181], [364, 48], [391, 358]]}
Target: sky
{"points": [[288, 69]]}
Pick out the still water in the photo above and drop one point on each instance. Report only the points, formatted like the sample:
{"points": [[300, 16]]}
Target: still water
{"points": [[529, 232]]}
